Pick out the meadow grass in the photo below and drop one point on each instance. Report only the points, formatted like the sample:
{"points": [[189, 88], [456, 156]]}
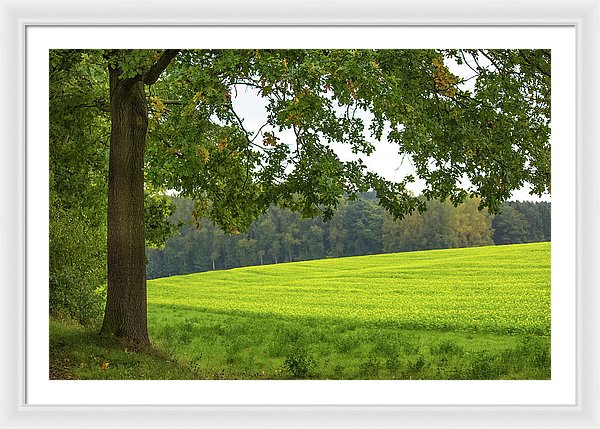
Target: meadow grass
{"points": [[477, 313], [80, 353]]}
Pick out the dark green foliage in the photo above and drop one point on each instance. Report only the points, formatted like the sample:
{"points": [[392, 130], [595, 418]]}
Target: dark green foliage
{"points": [[359, 227], [510, 226], [433, 229], [362, 221], [522, 222], [77, 266], [158, 209], [369, 368], [278, 236], [298, 362], [447, 348], [78, 167]]}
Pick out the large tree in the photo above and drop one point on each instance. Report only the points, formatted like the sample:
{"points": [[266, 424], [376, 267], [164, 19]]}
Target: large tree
{"points": [[174, 126]]}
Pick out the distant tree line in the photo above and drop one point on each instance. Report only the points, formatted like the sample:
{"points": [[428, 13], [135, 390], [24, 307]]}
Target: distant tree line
{"points": [[359, 227]]}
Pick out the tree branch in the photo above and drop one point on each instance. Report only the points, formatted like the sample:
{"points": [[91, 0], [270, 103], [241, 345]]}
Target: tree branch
{"points": [[99, 103], [537, 66], [172, 102], [159, 66]]}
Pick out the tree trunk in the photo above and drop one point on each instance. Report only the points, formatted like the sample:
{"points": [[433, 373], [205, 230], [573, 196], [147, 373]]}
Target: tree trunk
{"points": [[126, 314]]}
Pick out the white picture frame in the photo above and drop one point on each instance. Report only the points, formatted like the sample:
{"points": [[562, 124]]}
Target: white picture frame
{"points": [[17, 15]]}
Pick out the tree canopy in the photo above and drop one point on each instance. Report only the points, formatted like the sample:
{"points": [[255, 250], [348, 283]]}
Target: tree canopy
{"points": [[493, 134]]}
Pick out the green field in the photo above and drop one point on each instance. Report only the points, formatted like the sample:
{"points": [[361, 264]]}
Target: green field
{"points": [[477, 313]]}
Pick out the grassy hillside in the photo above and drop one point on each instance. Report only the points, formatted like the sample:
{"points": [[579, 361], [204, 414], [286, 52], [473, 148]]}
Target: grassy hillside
{"points": [[485, 289], [445, 314]]}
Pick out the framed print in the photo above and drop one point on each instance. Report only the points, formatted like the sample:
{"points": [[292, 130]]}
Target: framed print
{"points": [[568, 397]]}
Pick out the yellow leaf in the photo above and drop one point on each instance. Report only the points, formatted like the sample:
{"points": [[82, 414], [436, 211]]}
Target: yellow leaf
{"points": [[203, 154], [199, 96], [104, 365]]}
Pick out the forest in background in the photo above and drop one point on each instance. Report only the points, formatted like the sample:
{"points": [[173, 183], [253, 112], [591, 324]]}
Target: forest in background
{"points": [[359, 227]]}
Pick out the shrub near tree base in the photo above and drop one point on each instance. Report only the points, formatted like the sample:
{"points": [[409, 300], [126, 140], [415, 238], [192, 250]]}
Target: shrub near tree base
{"points": [[77, 278]]}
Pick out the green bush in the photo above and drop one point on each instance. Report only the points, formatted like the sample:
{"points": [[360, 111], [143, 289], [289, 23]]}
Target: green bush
{"points": [[370, 367], [77, 277], [298, 362]]}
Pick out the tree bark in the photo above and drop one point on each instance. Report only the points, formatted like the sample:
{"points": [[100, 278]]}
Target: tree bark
{"points": [[126, 314]]}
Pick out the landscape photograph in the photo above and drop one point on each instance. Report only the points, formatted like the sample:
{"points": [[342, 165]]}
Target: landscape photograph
{"points": [[300, 214]]}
